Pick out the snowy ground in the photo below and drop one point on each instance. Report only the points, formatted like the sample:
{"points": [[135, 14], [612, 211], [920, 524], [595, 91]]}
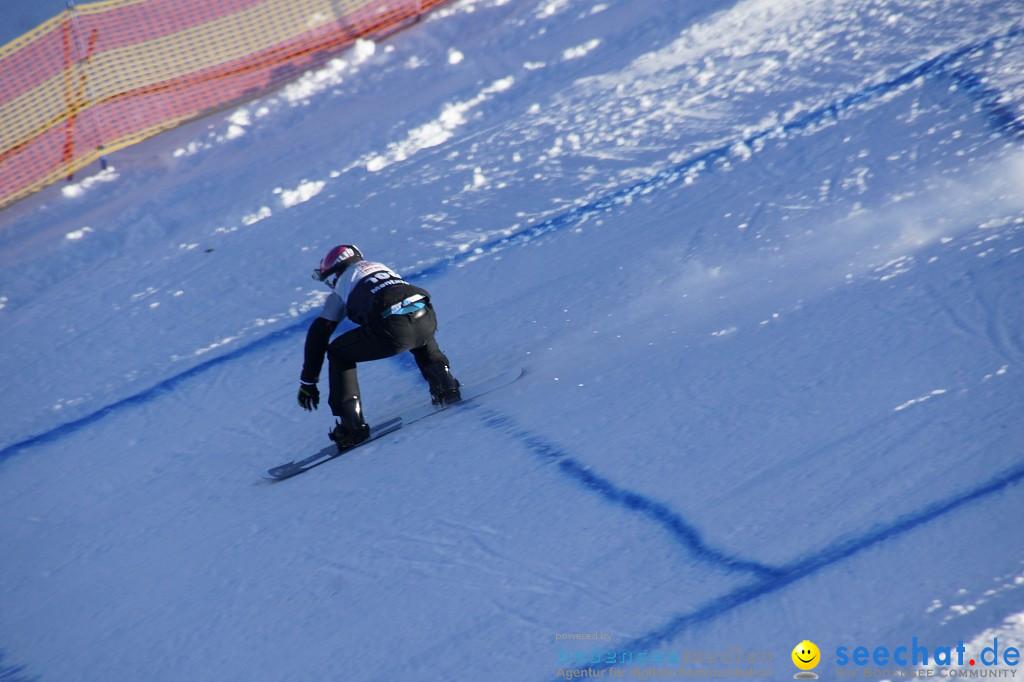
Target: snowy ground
{"points": [[21, 16], [761, 261]]}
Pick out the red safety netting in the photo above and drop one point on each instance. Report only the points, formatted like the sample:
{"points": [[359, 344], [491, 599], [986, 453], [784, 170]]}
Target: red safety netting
{"points": [[104, 75]]}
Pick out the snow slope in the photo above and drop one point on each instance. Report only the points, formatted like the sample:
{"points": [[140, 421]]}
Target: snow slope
{"points": [[21, 16], [762, 262]]}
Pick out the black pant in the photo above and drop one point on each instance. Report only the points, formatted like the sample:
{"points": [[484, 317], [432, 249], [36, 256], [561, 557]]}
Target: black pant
{"points": [[382, 337]]}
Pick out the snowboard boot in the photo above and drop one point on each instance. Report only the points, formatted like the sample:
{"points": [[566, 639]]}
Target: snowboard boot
{"points": [[351, 429], [444, 388]]}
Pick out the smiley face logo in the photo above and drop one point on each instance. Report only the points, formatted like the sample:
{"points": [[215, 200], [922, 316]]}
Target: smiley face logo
{"points": [[805, 656]]}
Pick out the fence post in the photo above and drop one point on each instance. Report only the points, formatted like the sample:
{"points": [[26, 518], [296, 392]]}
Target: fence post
{"points": [[84, 98]]}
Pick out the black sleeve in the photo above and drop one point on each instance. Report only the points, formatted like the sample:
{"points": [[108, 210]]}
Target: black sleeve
{"points": [[317, 339]]}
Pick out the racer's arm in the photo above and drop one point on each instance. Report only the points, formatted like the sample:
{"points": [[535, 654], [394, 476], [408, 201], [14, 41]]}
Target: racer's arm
{"points": [[318, 338]]}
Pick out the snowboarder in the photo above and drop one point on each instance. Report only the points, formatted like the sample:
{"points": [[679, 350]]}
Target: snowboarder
{"points": [[392, 315]]}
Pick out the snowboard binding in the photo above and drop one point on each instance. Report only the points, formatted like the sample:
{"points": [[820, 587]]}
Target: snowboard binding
{"points": [[348, 437], [444, 388], [351, 429]]}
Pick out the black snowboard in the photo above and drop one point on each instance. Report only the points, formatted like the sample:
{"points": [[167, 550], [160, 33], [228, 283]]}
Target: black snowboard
{"points": [[413, 414]]}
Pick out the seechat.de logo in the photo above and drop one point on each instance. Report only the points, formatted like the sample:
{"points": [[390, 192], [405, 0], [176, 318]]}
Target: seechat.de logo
{"points": [[916, 654], [806, 656]]}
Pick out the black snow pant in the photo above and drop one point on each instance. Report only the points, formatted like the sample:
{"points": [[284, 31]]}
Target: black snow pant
{"points": [[382, 337]]}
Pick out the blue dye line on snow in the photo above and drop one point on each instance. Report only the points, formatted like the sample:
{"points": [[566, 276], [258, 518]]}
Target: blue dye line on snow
{"points": [[1002, 119], [146, 396], [12, 673], [686, 534], [815, 562], [1001, 116]]}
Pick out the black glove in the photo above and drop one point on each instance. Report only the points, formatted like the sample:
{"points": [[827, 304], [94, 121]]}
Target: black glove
{"points": [[309, 397]]}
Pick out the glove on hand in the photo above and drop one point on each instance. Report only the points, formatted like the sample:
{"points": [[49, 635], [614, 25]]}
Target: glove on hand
{"points": [[309, 397]]}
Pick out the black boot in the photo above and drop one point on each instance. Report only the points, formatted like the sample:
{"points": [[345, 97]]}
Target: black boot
{"points": [[351, 429], [444, 388]]}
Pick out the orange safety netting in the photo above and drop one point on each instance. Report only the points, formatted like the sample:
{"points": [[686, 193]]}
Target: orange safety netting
{"points": [[104, 75]]}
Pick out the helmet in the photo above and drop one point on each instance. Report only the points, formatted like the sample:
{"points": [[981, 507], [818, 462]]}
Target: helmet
{"points": [[336, 260]]}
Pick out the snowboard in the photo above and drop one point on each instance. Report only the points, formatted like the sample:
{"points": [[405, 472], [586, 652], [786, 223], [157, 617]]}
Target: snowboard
{"points": [[405, 418]]}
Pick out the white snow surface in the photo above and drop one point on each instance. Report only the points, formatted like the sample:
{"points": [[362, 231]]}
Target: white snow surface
{"points": [[762, 262]]}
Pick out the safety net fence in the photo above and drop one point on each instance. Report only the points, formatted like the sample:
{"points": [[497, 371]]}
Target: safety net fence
{"points": [[104, 75]]}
